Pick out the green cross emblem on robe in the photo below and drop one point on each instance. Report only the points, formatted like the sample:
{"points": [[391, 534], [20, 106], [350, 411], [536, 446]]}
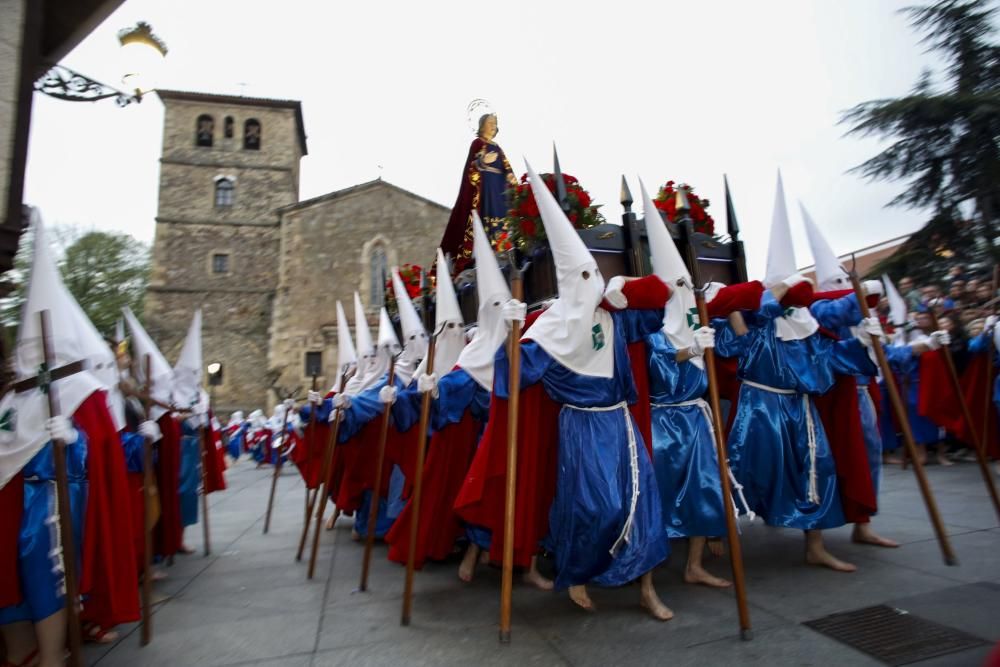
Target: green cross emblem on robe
{"points": [[694, 322], [597, 336], [8, 421]]}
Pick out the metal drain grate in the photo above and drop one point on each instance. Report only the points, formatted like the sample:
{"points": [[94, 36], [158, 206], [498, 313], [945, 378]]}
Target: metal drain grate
{"points": [[893, 636]]}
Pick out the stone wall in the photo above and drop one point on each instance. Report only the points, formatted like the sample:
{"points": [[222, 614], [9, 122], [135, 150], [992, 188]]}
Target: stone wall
{"points": [[11, 26], [326, 250]]}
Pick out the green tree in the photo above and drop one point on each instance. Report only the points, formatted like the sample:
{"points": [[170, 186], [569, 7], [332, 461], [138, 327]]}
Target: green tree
{"points": [[944, 138], [103, 271]]}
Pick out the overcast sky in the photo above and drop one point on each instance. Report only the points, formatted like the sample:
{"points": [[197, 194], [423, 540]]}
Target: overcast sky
{"points": [[679, 90]]}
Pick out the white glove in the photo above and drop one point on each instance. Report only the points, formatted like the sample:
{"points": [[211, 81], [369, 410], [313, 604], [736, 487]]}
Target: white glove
{"points": [[288, 403], [342, 401], [872, 327], [428, 383], [61, 428], [795, 279], [613, 293], [991, 322], [387, 395], [513, 311], [314, 398], [704, 339], [150, 430], [873, 287], [938, 339]]}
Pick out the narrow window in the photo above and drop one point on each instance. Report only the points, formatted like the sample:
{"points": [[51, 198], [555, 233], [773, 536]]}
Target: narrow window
{"points": [[204, 131], [228, 127], [314, 364], [225, 191], [251, 135], [220, 262], [379, 274]]}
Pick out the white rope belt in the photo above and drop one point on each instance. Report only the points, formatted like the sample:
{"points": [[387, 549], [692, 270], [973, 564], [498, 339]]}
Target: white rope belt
{"points": [[810, 430], [55, 539], [706, 411], [633, 451]]}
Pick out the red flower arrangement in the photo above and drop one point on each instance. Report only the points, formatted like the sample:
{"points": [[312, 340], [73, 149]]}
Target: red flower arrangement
{"points": [[410, 275], [523, 226], [666, 201]]}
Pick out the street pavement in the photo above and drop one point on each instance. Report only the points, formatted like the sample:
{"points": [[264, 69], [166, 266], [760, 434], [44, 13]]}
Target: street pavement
{"points": [[250, 603]]}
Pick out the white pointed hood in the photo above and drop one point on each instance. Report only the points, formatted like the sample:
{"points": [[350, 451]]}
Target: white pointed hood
{"points": [[387, 347], [346, 355], [479, 355], [414, 335], [187, 372], [898, 312], [448, 324], [73, 338], [163, 375], [573, 330], [830, 274], [797, 323], [365, 349], [680, 317]]}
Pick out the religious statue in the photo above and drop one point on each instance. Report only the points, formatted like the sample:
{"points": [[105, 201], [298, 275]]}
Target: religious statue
{"points": [[485, 178]]}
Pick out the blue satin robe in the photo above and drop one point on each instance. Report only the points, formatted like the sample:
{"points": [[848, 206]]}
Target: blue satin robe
{"points": [[593, 483], [190, 473], [684, 455], [237, 439], [41, 575], [838, 316], [769, 441], [906, 367]]}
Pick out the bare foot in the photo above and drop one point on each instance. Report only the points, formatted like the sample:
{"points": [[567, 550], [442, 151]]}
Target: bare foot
{"points": [[863, 534], [824, 558], [535, 578], [695, 574], [159, 575], [579, 596], [650, 601], [943, 460], [332, 520], [715, 547], [893, 459], [355, 535], [467, 568]]}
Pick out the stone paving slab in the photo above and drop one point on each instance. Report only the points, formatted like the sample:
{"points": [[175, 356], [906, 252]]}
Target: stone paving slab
{"points": [[249, 603]]}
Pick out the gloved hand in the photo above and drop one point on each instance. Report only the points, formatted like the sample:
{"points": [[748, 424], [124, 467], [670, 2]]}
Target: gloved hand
{"points": [[61, 428], [795, 279], [342, 401], [873, 328], [150, 430], [288, 403], [428, 383], [704, 339], [315, 398], [873, 287], [938, 339], [387, 395], [991, 322], [513, 311], [613, 293]]}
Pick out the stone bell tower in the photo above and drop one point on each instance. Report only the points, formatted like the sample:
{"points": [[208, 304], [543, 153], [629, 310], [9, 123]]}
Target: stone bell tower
{"points": [[228, 164]]}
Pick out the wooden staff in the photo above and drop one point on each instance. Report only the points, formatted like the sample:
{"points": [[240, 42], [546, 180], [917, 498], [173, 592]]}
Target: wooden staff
{"points": [[147, 512], [513, 402], [205, 436], [735, 548], [325, 474], [988, 394], [74, 635], [978, 445], [418, 483], [904, 423], [310, 497], [377, 490], [277, 471]]}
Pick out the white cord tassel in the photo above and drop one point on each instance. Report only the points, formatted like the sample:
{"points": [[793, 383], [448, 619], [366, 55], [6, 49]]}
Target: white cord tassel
{"points": [[55, 538], [751, 515], [811, 428], [633, 451]]}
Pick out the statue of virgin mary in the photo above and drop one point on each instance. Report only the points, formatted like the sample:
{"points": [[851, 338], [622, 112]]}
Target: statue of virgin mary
{"points": [[485, 178]]}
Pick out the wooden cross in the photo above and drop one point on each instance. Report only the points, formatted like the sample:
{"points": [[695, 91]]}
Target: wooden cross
{"points": [[44, 381], [148, 509]]}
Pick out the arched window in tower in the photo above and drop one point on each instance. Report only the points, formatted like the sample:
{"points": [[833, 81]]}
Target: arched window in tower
{"points": [[228, 127], [225, 191], [204, 131], [251, 135], [379, 275]]}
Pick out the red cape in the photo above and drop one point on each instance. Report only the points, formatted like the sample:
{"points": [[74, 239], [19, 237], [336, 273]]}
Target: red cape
{"points": [[977, 388], [839, 411], [308, 455], [215, 461], [11, 509], [168, 531], [936, 400], [449, 454]]}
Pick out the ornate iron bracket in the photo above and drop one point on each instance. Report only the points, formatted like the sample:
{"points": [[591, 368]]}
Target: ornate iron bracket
{"points": [[65, 84]]}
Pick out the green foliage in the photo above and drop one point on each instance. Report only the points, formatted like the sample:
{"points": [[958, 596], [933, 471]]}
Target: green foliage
{"points": [[104, 272], [944, 139]]}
